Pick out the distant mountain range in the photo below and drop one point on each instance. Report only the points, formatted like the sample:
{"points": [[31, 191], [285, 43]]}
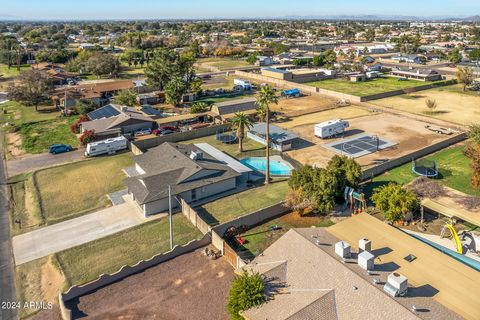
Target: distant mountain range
{"points": [[475, 18]]}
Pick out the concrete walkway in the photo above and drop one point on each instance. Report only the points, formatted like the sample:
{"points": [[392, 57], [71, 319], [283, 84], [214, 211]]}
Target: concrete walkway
{"points": [[42, 242]]}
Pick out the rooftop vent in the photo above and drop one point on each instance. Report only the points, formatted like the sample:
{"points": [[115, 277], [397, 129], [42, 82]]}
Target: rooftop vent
{"points": [[364, 245], [342, 249], [196, 155], [397, 285], [366, 260]]}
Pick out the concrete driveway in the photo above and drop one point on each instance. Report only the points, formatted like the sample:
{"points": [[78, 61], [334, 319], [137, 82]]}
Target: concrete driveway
{"points": [[43, 160], [42, 242]]}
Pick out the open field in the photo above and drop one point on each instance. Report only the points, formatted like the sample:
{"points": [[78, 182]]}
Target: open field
{"points": [[75, 189], [261, 237], [218, 81], [313, 118], [454, 105], [243, 203], [454, 167], [220, 64], [214, 99], [231, 149], [18, 113], [106, 255], [294, 107], [190, 286], [367, 88], [410, 135]]}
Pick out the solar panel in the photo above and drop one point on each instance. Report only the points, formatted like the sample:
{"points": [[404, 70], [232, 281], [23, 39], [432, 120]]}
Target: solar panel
{"points": [[150, 110], [104, 112]]}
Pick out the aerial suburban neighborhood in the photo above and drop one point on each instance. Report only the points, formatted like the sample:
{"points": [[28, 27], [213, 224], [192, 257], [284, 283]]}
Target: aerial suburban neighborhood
{"points": [[256, 161]]}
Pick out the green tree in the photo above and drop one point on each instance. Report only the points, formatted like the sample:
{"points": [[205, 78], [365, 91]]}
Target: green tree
{"points": [[266, 97], [103, 64], [247, 291], [126, 98], [394, 201], [84, 106], [241, 122], [474, 133], [455, 56], [252, 59], [465, 76], [161, 68], [199, 107], [330, 58], [174, 91], [475, 54], [347, 172], [32, 88]]}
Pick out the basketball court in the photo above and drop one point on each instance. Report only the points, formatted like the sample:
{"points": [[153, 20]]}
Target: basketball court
{"points": [[359, 146]]}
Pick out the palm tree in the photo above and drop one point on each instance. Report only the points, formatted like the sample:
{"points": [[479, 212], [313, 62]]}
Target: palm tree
{"points": [[241, 122], [266, 97]]}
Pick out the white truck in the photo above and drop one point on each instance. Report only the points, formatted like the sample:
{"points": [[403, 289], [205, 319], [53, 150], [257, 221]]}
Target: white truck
{"points": [[331, 128], [244, 84], [108, 146]]}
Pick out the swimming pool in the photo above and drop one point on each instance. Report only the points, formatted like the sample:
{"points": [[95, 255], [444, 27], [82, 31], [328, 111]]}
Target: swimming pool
{"points": [[277, 167]]}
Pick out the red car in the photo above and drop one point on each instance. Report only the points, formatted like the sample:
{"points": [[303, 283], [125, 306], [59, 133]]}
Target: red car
{"points": [[161, 130]]}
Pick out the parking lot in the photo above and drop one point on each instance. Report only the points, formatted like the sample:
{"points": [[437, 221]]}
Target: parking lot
{"points": [[190, 286]]}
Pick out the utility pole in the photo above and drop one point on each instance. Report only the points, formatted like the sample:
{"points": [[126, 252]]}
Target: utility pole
{"points": [[170, 215]]}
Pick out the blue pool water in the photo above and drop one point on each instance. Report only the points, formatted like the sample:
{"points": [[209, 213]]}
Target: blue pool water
{"points": [[277, 168], [472, 263]]}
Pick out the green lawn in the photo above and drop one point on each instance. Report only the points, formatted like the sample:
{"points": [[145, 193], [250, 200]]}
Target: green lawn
{"points": [[37, 136], [78, 188], [454, 167], [18, 113], [243, 203], [370, 87], [13, 71], [231, 149], [212, 100], [107, 255], [261, 237]]}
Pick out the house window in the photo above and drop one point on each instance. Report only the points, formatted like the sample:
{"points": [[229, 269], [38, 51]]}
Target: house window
{"points": [[194, 194]]}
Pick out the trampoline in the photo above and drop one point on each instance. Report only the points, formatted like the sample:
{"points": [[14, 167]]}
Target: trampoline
{"points": [[425, 168], [226, 137]]}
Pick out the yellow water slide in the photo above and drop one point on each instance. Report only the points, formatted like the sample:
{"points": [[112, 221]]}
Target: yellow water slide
{"points": [[455, 237]]}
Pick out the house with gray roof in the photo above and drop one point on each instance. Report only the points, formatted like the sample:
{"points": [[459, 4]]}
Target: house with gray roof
{"points": [[280, 139], [225, 110], [113, 120], [193, 172]]}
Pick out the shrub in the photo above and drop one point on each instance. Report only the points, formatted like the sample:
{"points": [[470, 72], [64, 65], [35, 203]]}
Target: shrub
{"points": [[199, 107], [75, 128], [424, 187], [87, 137], [247, 291]]}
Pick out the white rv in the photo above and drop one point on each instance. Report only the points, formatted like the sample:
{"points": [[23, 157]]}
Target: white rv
{"points": [[108, 146], [331, 128]]}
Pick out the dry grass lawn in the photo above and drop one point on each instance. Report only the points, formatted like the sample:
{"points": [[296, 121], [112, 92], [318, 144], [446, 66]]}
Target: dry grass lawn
{"points": [[454, 105], [339, 113], [74, 189], [294, 107]]}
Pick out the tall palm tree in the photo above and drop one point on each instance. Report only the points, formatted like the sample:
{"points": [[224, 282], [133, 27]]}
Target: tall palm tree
{"points": [[241, 122], [267, 96]]}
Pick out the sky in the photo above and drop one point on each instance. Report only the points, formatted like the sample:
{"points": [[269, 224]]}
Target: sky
{"points": [[193, 9]]}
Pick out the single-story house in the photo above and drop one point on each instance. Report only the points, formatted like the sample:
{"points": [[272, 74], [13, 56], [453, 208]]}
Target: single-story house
{"points": [[194, 172], [418, 74], [410, 58], [224, 110], [112, 120], [280, 139], [150, 98], [264, 61]]}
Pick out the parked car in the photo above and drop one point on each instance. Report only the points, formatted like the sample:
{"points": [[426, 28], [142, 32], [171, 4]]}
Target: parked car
{"points": [[59, 148], [172, 128], [143, 132], [166, 132]]}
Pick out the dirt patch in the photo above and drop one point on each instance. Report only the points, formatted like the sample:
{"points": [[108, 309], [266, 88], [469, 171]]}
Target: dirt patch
{"points": [[52, 281], [294, 107], [14, 144], [31, 206], [408, 134], [190, 286]]}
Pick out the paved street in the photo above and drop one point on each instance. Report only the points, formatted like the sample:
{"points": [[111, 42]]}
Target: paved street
{"points": [[42, 242], [7, 275], [42, 160]]}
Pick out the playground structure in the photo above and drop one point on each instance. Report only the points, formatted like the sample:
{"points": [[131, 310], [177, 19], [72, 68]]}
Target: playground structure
{"points": [[460, 239], [357, 201], [226, 137], [424, 167]]}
